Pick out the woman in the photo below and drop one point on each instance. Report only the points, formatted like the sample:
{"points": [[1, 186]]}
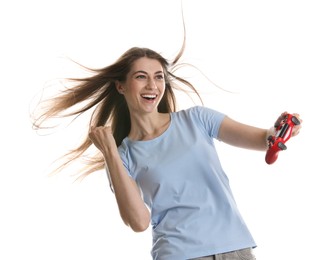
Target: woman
{"points": [[161, 163]]}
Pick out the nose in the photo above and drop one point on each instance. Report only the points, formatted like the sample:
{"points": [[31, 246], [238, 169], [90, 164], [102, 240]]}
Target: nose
{"points": [[151, 84]]}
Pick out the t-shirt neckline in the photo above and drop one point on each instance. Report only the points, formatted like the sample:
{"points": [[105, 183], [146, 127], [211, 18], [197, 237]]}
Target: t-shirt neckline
{"points": [[163, 134]]}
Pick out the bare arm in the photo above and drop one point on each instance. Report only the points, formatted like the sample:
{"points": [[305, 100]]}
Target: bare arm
{"points": [[131, 206], [243, 136], [246, 136]]}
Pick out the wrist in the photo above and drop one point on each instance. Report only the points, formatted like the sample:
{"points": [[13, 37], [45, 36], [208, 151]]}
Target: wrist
{"points": [[271, 131]]}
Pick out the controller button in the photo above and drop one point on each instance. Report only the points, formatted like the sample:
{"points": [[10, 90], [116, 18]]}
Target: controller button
{"points": [[295, 120], [282, 146]]}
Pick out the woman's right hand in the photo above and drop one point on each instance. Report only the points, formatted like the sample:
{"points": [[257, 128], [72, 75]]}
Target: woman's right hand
{"points": [[102, 138], [130, 203]]}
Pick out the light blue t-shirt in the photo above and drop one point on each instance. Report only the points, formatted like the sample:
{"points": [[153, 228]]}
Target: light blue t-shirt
{"points": [[193, 212]]}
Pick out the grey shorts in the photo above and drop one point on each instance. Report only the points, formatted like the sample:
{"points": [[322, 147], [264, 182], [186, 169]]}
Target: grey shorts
{"points": [[243, 254]]}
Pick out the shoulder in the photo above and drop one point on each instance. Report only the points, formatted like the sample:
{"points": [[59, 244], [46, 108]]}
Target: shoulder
{"points": [[201, 113], [195, 111]]}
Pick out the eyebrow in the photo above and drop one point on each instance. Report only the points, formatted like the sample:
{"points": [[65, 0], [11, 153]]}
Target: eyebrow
{"points": [[144, 72]]}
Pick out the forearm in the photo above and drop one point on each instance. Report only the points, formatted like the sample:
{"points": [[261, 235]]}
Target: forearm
{"points": [[253, 138], [243, 136], [130, 203]]}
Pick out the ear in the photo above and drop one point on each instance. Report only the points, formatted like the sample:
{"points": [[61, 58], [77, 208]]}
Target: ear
{"points": [[120, 87]]}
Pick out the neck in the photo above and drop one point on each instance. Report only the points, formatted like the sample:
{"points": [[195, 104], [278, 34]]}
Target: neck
{"points": [[148, 127]]}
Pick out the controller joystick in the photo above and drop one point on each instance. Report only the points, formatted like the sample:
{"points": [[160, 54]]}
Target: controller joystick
{"points": [[283, 131]]}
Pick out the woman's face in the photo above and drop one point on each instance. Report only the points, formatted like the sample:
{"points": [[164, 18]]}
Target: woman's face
{"points": [[144, 86]]}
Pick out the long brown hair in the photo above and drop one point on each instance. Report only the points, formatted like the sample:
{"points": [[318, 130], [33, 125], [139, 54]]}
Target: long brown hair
{"points": [[99, 93]]}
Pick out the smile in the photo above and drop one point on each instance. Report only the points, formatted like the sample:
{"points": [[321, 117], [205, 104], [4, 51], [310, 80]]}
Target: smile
{"points": [[149, 96]]}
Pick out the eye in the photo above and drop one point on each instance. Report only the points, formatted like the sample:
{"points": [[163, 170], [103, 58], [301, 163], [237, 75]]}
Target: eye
{"points": [[160, 77], [141, 76]]}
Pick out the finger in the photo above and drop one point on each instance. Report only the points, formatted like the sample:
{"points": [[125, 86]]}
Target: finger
{"points": [[296, 130]]}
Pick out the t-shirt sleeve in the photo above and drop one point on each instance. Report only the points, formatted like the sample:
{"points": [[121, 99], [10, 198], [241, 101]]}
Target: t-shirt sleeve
{"points": [[210, 119]]}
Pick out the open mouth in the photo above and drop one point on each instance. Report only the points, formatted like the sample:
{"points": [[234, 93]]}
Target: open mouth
{"points": [[149, 96]]}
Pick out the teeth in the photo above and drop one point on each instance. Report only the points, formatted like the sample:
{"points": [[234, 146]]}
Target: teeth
{"points": [[149, 96]]}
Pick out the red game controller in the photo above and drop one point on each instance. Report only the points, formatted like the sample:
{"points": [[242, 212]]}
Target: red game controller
{"points": [[276, 143]]}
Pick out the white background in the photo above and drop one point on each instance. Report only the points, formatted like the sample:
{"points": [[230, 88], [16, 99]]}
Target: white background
{"points": [[274, 56]]}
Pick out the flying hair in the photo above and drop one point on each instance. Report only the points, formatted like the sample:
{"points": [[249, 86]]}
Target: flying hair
{"points": [[97, 96]]}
